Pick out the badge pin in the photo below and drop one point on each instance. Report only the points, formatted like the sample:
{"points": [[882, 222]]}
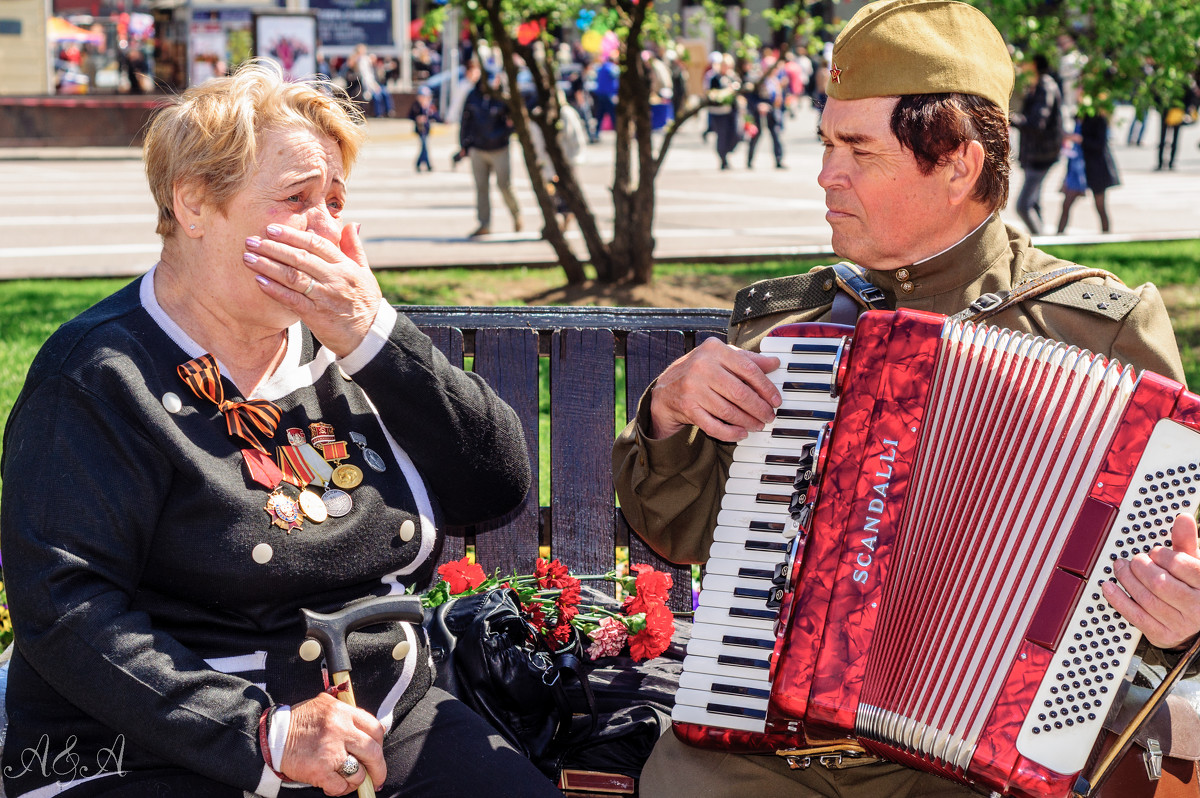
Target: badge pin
{"points": [[372, 457], [295, 436], [285, 511], [321, 433]]}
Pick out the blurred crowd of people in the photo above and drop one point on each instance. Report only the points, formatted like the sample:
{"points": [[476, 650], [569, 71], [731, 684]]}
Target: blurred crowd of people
{"points": [[758, 93], [1054, 125]]}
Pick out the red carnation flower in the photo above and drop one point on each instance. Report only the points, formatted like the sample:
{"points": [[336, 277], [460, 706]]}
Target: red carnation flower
{"points": [[561, 633], [535, 615], [462, 575], [566, 612], [650, 589], [656, 637], [553, 575]]}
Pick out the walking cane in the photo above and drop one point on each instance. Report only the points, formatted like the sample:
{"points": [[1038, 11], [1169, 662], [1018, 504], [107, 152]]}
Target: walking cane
{"points": [[330, 632]]}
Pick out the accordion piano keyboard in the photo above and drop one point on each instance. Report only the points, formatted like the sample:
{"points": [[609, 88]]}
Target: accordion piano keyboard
{"points": [[725, 681]]}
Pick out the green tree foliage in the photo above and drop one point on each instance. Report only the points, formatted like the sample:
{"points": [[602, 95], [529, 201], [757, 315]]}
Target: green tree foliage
{"points": [[1144, 51]]}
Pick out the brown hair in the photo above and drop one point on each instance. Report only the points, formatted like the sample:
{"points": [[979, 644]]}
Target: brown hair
{"points": [[934, 126], [210, 134]]}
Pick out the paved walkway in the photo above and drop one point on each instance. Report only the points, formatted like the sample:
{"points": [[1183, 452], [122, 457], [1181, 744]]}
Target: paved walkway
{"points": [[87, 212]]}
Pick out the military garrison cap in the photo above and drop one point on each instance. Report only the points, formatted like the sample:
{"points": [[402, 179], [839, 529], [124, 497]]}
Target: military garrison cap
{"points": [[895, 47]]}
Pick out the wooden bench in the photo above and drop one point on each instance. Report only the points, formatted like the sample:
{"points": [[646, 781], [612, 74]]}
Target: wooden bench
{"points": [[582, 348]]}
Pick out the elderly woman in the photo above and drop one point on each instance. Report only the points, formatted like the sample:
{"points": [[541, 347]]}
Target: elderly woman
{"points": [[246, 430]]}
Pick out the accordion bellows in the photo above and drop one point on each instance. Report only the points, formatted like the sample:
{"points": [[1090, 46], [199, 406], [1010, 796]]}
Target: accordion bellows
{"points": [[921, 574]]}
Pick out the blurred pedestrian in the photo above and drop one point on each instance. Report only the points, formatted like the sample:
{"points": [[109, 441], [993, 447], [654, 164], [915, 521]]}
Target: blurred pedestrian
{"points": [[1040, 123], [483, 135], [362, 65], [764, 104], [423, 113], [604, 96], [679, 91], [1175, 113], [724, 116], [1099, 168], [572, 139]]}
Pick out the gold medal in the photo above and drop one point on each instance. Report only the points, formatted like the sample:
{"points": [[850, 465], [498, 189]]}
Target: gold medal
{"points": [[313, 506], [347, 476]]}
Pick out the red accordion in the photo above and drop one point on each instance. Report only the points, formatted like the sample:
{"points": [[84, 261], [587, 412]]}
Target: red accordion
{"points": [[909, 557]]}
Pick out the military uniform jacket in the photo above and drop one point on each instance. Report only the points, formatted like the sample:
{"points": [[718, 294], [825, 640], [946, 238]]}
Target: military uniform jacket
{"points": [[153, 627], [670, 489]]}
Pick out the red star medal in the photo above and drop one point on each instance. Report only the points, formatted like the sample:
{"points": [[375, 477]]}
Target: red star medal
{"points": [[835, 73], [285, 511]]}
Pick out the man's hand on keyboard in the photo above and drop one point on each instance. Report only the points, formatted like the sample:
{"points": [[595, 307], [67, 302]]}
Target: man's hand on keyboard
{"points": [[719, 388]]}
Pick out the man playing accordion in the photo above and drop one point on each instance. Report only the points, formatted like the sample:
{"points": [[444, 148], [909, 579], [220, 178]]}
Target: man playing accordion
{"points": [[915, 172]]}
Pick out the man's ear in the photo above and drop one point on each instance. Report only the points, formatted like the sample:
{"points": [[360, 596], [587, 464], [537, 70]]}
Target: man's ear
{"points": [[188, 205], [965, 166]]}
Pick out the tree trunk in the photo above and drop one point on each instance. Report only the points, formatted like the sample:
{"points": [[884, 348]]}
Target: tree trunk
{"points": [[633, 217], [572, 267], [567, 184]]}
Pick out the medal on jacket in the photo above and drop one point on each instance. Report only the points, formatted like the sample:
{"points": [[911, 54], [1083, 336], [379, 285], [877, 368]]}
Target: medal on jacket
{"points": [[372, 457], [347, 476], [320, 433], [313, 506], [337, 502], [333, 451], [284, 510]]}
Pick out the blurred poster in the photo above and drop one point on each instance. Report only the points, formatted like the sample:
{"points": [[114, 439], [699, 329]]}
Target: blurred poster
{"points": [[290, 40], [218, 41], [346, 23]]}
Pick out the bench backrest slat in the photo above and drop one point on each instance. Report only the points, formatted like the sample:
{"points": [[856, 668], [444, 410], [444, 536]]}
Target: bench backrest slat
{"points": [[508, 360], [582, 421], [580, 347]]}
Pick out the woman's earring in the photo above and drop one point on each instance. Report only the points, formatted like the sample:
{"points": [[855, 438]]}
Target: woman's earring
{"points": [[191, 227]]}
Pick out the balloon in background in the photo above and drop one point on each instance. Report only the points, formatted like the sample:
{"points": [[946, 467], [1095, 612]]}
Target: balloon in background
{"points": [[609, 44], [529, 31], [591, 41], [585, 19]]}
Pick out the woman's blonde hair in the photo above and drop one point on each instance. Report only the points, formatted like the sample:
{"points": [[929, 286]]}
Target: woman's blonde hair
{"points": [[210, 134]]}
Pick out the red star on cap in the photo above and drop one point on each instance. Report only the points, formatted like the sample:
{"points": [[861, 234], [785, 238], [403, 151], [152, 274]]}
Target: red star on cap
{"points": [[835, 73]]}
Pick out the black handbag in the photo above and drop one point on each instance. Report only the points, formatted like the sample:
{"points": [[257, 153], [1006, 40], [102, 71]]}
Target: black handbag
{"points": [[489, 657]]}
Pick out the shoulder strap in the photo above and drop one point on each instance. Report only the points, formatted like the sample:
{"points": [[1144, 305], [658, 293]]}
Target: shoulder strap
{"points": [[991, 304], [782, 294], [856, 294]]}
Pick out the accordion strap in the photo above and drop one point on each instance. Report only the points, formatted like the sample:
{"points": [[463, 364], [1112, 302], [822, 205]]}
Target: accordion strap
{"points": [[991, 304], [855, 295]]}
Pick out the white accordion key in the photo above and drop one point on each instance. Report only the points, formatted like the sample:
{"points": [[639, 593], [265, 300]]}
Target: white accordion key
{"points": [[739, 588], [711, 666], [734, 616], [738, 553], [736, 635], [752, 572], [765, 493], [766, 474], [683, 713], [770, 503]]}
